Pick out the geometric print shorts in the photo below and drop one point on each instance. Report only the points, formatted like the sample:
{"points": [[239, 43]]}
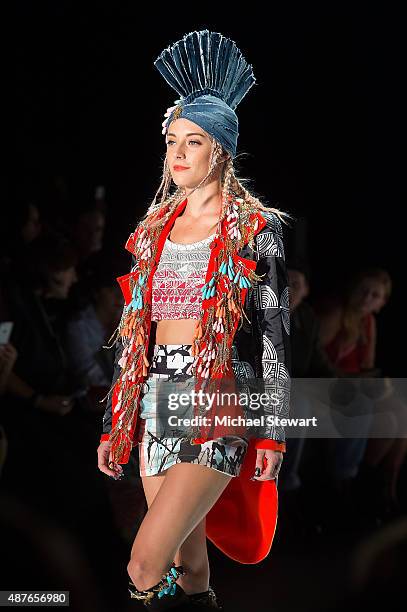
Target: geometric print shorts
{"points": [[159, 452]]}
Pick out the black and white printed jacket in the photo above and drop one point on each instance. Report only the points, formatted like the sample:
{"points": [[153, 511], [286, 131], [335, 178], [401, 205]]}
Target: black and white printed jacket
{"points": [[260, 350]]}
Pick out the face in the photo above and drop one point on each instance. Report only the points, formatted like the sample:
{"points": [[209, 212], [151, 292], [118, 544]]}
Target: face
{"points": [[298, 287], [90, 231], [369, 296], [190, 147], [61, 282]]}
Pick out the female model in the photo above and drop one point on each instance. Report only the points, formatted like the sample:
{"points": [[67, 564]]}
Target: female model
{"points": [[207, 296]]}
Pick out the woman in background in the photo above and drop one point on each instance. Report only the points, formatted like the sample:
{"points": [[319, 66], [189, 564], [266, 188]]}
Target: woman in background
{"points": [[348, 325]]}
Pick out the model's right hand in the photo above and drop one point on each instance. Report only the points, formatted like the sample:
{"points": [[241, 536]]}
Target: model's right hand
{"points": [[104, 457]]}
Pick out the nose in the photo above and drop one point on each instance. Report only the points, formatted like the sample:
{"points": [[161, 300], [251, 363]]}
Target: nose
{"points": [[179, 154]]}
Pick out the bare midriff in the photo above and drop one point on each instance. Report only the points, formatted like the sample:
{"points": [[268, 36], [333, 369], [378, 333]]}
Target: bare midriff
{"points": [[177, 331]]}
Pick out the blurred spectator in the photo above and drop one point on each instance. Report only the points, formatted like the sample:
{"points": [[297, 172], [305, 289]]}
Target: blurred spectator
{"points": [[348, 324], [348, 334], [88, 231], [23, 227], [100, 199], [38, 306], [8, 356], [30, 225], [308, 357], [91, 328], [51, 440], [308, 361]]}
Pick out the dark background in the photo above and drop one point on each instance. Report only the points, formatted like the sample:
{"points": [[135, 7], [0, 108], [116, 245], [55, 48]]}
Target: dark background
{"points": [[320, 132]]}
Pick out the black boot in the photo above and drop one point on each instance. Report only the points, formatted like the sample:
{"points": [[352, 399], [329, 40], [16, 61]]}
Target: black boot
{"points": [[202, 602], [166, 594]]}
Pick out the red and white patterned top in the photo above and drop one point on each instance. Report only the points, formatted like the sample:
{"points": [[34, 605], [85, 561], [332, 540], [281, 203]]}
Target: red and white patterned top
{"points": [[178, 280]]}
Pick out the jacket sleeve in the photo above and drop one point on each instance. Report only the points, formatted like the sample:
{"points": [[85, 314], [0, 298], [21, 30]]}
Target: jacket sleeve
{"points": [[273, 328], [107, 417]]}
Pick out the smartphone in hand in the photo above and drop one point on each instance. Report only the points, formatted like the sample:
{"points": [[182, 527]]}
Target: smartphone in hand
{"points": [[6, 327]]}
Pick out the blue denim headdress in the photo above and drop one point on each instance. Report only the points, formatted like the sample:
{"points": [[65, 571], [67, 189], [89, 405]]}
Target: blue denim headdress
{"points": [[211, 76]]}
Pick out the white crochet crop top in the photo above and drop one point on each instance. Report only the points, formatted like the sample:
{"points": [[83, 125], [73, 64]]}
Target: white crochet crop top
{"points": [[178, 280]]}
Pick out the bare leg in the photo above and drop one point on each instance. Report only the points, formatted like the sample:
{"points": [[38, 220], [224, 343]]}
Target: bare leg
{"points": [[182, 502], [193, 556], [193, 553], [151, 486]]}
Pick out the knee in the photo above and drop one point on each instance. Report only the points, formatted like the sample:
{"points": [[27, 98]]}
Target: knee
{"points": [[139, 570]]}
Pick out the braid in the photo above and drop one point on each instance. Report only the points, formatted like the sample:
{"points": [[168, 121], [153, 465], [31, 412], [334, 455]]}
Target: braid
{"points": [[238, 188], [153, 206], [166, 199], [167, 182], [226, 188]]}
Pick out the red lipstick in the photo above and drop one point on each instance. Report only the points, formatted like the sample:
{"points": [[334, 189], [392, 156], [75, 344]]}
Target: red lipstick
{"points": [[179, 168]]}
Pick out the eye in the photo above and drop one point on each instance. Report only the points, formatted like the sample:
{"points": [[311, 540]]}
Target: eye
{"points": [[189, 142]]}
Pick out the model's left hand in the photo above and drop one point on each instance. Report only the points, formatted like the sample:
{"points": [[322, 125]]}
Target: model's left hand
{"points": [[274, 461]]}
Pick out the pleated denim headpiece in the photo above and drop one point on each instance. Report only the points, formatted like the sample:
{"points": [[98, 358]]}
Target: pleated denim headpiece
{"points": [[211, 76]]}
